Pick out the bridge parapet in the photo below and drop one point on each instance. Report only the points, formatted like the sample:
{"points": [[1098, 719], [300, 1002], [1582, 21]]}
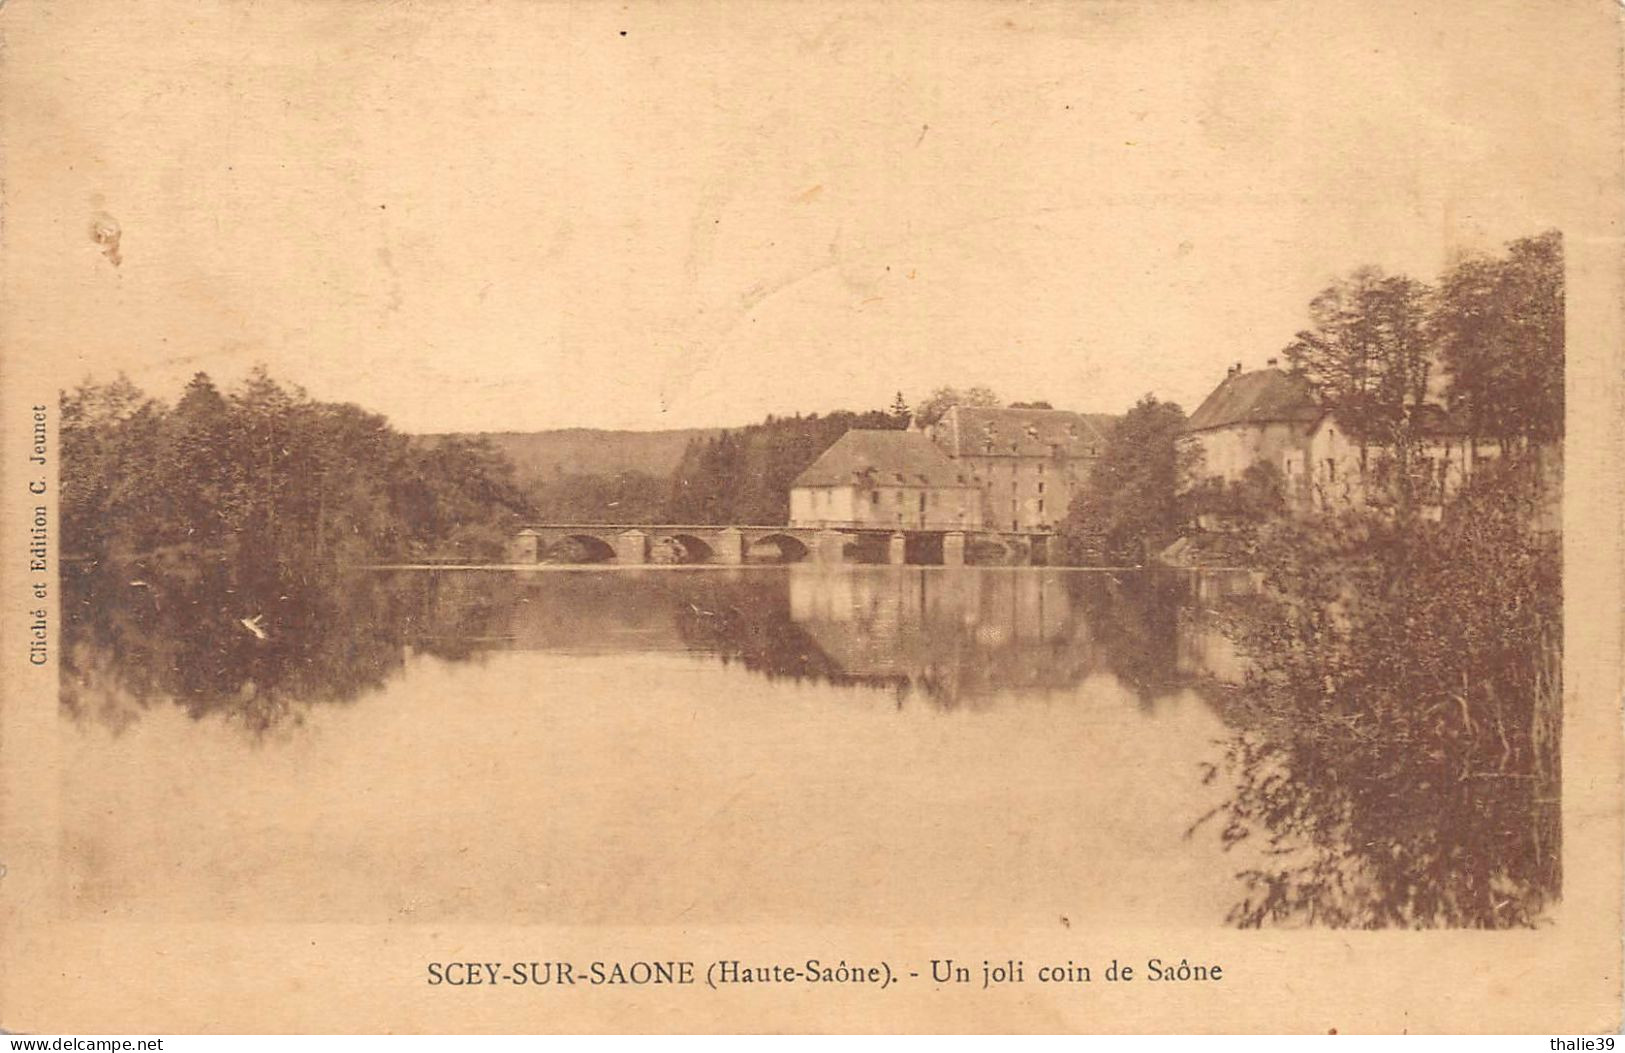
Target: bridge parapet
{"points": [[728, 544]]}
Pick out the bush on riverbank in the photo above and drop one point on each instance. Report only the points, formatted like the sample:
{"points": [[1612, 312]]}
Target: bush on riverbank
{"points": [[1399, 748]]}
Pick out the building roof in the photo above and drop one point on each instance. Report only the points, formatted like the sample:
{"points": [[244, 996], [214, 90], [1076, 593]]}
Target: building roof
{"points": [[981, 431], [870, 457], [1104, 422], [1261, 397]]}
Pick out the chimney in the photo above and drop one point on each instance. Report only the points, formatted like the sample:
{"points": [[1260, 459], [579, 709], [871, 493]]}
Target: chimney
{"points": [[1272, 362]]}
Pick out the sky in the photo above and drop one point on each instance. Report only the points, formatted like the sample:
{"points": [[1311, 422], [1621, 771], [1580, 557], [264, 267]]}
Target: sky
{"points": [[530, 215]]}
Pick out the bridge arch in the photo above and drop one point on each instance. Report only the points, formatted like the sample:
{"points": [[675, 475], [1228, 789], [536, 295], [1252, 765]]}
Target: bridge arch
{"points": [[790, 548], [591, 548], [691, 549]]}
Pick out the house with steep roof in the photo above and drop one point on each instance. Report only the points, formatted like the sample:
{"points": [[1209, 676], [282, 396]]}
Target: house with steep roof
{"points": [[1271, 416], [1264, 415], [877, 479], [1026, 463]]}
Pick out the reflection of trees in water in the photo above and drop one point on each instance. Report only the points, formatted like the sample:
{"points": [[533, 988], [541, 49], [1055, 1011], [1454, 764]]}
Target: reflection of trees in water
{"points": [[1397, 743], [1138, 619], [257, 645], [254, 648], [953, 637]]}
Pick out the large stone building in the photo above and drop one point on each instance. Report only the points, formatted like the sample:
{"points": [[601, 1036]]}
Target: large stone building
{"points": [[1025, 463], [1262, 416], [1270, 416], [876, 479]]}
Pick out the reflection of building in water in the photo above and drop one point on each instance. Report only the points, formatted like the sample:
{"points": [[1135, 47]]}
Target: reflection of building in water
{"points": [[952, 633]]}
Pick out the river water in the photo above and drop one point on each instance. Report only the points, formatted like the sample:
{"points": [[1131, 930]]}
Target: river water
{"points": [[651, 746]]}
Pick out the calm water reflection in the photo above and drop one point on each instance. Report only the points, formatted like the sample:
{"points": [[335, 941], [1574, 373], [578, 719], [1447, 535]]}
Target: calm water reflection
{"points": [[658, 746]]}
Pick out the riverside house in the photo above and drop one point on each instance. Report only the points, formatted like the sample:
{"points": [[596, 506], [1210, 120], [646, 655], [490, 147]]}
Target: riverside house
{"points": [[877, 479], [1271, 416]]}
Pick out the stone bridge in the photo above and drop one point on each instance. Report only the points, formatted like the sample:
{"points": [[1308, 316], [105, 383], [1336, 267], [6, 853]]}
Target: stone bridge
{"points": [[636, 543]]}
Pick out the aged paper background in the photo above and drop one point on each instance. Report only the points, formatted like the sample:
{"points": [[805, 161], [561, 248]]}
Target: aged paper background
{"points": [[354, 194]]}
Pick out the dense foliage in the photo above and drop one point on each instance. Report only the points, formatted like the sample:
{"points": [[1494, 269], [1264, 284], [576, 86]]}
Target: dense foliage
{"points": [[588, 497], [1130, 506], [1493, 328], [1401, 723], [1367, 351], [1498, 326], [267, 479], [744, 476]]}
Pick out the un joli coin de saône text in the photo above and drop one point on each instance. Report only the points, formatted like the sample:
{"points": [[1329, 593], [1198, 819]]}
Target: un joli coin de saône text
{"points": [[729, 971]]}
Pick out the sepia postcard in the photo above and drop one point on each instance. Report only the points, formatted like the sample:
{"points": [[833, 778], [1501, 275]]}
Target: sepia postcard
{"points": [[721, 516]]}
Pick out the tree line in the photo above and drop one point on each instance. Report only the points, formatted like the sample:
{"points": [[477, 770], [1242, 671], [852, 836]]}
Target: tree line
{"points": [[265, 477], [742, 475]]}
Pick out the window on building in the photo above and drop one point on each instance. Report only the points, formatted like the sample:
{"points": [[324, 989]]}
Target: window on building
{"points": [[1040, 506], [1331, 469], [922, 503], [1040, 467], [1040, 487], [874, 497]]}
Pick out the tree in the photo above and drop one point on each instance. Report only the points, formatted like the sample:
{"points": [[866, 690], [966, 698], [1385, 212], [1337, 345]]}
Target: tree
{"points": [[1498, 325], [899, 410], [1130, 506], [942, 399], [1031, 405], [1368, 356]]}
